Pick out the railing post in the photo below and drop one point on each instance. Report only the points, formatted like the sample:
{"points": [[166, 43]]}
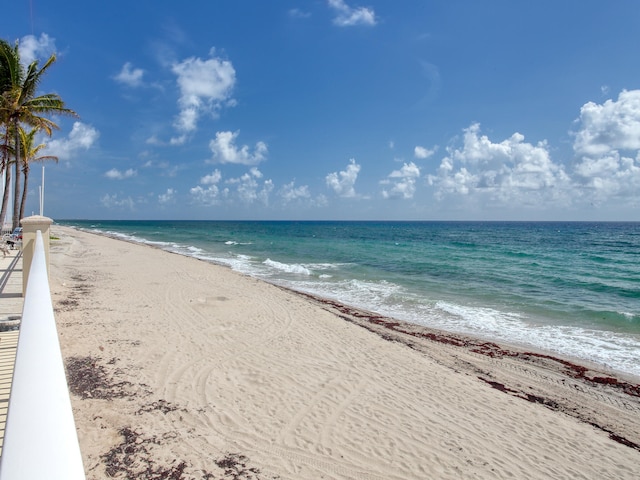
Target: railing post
{"points": [[30, 225]]}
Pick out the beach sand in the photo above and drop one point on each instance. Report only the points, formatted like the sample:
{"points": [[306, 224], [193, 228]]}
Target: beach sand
{"points": [[181, 369]]}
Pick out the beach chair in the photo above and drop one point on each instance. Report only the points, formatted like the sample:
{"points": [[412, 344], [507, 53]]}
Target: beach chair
{"points": [[13, 239]]}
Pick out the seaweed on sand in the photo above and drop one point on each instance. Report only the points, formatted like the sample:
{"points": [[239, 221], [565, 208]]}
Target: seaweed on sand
{"points": [[88, 379], [133, 459]]}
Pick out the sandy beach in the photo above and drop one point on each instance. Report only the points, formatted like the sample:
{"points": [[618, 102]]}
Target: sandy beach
{"points": [[182, 369]]}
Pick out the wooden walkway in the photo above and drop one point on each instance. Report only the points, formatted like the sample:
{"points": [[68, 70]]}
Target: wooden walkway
{"points": [[8, 344], [11, 302]]}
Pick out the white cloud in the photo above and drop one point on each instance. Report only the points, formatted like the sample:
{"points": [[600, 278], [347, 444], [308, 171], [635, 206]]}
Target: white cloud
{"points": [[422, 152], [347, 16], [168, 169], [508, 173], [321, 201], [403, 182], [210, 194], [115, 174], [610, 177], [290, 192], [168, 196], [343, 182], [225, 151], [249, 190], [112, 201], [132, 77], [81, 137], [431, 74], [32, 48], [206, 196], [153, 140], [614, 125], [297, 13], [205, 87], [212, 178], [178, 140], [602, 171]]}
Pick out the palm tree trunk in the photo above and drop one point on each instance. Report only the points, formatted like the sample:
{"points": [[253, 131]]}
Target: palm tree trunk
{"points": [[5, 197], [5, 168], [16, 193], [24, 189], [5, 150]]}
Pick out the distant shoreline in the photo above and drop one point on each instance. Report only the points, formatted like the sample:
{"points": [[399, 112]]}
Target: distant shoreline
{"points": [[518, 292], [66, 222]]}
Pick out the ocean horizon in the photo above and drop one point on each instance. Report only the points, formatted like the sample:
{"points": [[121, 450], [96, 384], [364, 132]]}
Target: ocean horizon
{"points": [[569, 288]]}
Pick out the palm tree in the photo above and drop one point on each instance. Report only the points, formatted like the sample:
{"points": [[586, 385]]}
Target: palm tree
{"points": [[10, 68], [30, 154], [7, 153], [20, 104]]}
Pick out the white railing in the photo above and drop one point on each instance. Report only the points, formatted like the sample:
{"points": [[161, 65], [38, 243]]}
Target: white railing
{"points": [[40, 440]]}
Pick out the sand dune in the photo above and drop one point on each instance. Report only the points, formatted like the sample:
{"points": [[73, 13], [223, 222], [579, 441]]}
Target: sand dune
{"points": [[183, 369]]}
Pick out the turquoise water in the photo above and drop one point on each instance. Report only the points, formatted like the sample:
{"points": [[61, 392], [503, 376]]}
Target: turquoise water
{"points": [[570, 288]]}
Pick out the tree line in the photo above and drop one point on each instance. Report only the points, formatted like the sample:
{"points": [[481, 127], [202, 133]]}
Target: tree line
{"points": [[24, 113]]}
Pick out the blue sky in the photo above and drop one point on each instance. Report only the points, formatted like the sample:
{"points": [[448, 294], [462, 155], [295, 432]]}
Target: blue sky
{"points": [[339, 109]]}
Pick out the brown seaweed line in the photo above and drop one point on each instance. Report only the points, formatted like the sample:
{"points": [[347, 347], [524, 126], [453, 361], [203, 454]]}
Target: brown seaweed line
{"points": [[555, 406], [495, 351], [488, 349]]}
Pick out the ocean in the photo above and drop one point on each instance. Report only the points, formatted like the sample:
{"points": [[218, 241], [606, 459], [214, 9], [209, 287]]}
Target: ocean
{"points": [[568, 288]]}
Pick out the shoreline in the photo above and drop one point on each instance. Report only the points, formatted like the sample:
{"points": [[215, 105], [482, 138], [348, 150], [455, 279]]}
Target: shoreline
{"points": [[437, 334], [328, 363], [419, 338]]}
